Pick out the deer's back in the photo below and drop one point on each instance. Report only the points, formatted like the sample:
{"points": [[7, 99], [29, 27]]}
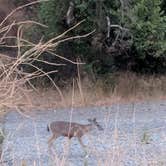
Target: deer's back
{"points": [[68, 129]]}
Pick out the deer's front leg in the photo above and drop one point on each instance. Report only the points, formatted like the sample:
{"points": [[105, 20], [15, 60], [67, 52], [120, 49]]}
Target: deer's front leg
{"points": [[51, 139], [83, 146]]}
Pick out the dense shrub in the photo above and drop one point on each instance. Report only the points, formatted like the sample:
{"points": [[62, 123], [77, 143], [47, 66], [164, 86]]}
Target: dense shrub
{"points": [[94, 12], [163, 6], [139, 44], [148, 27]]}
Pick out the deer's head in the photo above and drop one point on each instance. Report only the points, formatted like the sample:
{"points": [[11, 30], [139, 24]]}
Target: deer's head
{"points": [[95, 123]]}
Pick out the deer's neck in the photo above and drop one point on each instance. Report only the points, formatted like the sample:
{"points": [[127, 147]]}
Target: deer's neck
{"points": [[88, 127]]}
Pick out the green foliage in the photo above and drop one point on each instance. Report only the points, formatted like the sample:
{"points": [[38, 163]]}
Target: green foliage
{"points": [[53, 12], [146, 138], [163, 6], [1, 137], [144, 19], [50, 13], [148, 27]]}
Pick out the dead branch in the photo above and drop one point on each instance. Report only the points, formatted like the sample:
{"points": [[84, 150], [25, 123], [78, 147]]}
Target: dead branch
{"points": [[70, 14]]}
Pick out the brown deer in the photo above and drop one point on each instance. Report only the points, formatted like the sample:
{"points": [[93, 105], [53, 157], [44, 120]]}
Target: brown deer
{"points": [[71, 129]]}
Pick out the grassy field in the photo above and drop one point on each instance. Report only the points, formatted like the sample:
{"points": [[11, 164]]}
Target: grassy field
{"points": [[119, 88]]}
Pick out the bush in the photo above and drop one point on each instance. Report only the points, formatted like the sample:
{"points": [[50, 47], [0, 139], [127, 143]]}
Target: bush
{"points": [[148, 27], [53, 14], [145, 51]]}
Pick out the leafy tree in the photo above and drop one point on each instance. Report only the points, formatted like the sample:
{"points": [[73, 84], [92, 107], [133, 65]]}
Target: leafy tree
{"points": [[163, 6], [148, 27], [139, 39]]}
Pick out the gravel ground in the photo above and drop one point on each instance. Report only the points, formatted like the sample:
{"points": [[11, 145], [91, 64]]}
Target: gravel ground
{"points": [[134, 134]]}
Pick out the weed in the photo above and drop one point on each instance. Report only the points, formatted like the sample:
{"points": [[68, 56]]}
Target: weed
{"points": [[146, 138]]}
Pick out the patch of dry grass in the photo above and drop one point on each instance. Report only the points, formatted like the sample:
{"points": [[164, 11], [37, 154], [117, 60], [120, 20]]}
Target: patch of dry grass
{"points": [[119, 88], [15, 84]]}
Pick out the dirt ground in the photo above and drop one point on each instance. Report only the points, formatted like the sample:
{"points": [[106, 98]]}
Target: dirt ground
{"points": [[134, 134]]}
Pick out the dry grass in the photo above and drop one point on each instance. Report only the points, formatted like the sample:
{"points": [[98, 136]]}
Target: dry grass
{"points": [[119, 88], [15, 84]]}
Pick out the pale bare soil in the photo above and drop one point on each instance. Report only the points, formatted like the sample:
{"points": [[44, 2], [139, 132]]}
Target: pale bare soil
{"points": [[134, 134]]}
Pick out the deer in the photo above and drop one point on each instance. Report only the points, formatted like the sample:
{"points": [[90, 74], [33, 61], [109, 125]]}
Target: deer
{"points": [[70, 130]]}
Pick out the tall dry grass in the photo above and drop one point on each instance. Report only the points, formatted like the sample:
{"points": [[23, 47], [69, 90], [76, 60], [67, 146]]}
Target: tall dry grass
{"points": [[118, 87], [14, 82]]}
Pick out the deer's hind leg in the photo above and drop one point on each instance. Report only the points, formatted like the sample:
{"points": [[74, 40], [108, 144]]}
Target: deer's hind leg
{"points": [[82, 145]]}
